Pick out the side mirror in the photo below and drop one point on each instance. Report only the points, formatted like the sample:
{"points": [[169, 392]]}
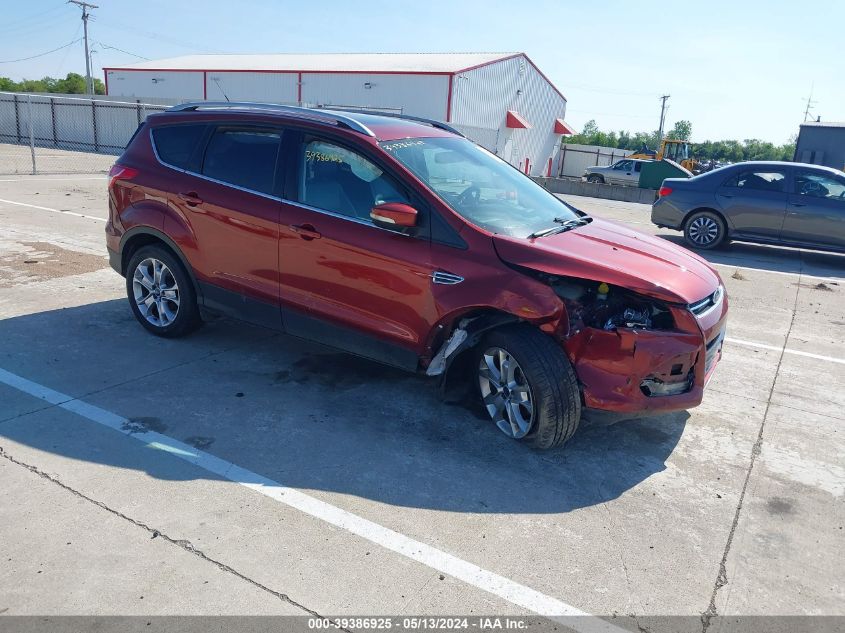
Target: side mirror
{"points": [[394, 215]]}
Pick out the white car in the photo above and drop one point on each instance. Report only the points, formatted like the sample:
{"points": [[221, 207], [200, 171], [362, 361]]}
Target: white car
{"points": [[622, 172]]}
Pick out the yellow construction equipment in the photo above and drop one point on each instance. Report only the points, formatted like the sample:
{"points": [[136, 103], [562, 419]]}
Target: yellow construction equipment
{"points": [[672, 149]]}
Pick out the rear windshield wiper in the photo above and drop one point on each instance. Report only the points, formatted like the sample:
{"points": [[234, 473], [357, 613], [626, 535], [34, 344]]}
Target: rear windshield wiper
{"points": [[563, 225]]}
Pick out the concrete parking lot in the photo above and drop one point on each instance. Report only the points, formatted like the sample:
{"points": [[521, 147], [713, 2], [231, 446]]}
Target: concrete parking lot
{"points": [[240, 471]]}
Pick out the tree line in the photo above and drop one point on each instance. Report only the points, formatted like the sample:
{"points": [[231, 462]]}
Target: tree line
{"points": [[73, 84], [723, 151]]}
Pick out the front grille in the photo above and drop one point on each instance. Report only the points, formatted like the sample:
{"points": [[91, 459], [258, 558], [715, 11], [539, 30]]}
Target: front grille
{"points": [[700, 308]]}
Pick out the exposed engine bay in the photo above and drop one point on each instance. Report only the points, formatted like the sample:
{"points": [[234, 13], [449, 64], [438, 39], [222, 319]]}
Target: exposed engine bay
{"points": [[599, 305]]}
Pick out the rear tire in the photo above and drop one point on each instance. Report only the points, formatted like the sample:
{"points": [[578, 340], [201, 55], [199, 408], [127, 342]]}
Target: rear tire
{"points": [[518, 371], [705, 230], [596, 179], [161, 293]]}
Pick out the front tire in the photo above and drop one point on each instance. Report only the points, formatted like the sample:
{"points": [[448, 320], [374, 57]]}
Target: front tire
{"points": [[595, 179], [528, 386], [705, 230], [161, 293]]}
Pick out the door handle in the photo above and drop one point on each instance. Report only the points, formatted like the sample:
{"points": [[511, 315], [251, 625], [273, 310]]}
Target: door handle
{"points": [[726, 195], [306, 231], [191, 198], [797, 204]]}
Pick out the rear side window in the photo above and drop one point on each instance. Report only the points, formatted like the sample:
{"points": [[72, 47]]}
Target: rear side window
{"points": [[246, 158], [176, 143], [758, 180]]}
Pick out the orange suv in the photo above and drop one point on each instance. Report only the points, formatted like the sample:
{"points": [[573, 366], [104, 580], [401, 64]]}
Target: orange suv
{"points": [[399, 240]]}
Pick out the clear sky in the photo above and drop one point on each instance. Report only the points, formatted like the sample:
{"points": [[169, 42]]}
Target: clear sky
{"points": [[738, 69]]}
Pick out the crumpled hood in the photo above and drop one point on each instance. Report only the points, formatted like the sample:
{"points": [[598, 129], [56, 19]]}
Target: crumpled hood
{"points": [[609, 252]]}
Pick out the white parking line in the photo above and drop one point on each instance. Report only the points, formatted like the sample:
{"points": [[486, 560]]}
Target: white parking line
{"points": [[35, 206], [775, 348], [446, 563], [768, 271], [53, 179]]}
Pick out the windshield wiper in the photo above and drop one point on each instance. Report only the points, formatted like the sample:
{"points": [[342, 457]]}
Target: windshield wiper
{"points": [[563, 225]]}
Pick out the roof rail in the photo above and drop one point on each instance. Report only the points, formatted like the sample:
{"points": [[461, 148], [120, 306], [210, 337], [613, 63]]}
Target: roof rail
{"points": [[304, 113], [418, 119]]}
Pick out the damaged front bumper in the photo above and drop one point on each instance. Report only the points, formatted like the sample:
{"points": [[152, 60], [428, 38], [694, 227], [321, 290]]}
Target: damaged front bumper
{"points": [[630, 370]]}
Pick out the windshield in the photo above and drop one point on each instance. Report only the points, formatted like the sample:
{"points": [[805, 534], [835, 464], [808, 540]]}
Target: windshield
{"points": [[481, 187]]}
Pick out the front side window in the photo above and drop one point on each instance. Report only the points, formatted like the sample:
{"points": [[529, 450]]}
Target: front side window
{"points": [[246, 158], [337, 179], [481, 187], [816, 185], [175, 144], [758, 180], [623, 165]]}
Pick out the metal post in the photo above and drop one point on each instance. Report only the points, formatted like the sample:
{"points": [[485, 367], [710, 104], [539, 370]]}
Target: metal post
{"points": [[31, 133], [562, 162], [53, 118], [17, 117], [94, 120]]}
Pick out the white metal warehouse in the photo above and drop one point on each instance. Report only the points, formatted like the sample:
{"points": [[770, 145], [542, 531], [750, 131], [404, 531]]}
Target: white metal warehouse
{"points": [[500, 100]]}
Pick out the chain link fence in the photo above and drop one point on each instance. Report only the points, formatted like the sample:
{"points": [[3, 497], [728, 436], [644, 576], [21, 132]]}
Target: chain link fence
{"points": [[47, 134], [53, 134]]}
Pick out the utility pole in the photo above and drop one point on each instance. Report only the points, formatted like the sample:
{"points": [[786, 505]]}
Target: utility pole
{"points": [[663, 99], [89, 80], [810, 103]]}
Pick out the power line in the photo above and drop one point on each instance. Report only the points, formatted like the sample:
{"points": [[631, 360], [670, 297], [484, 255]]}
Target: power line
{"points": [[61, 65], [23, 59], [122, 27], [588, 88], [121, 50], [38, 20]]}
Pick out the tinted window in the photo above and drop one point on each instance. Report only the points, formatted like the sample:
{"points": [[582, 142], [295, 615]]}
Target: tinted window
{"points": [[246, 158], [758, 180], [341, 180], [176, 143], [816, 185]]}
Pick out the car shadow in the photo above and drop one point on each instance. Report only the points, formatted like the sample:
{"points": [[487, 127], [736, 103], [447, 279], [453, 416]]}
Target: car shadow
{"points": [[302, 415], [769, 258]]}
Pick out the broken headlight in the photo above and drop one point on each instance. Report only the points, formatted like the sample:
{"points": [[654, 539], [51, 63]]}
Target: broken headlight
{"points": [[599, 305]]}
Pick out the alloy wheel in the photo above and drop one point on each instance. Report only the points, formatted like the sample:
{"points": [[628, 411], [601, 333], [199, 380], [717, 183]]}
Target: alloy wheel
{"points": [[703, 230], [156, 292], [505, 392]]}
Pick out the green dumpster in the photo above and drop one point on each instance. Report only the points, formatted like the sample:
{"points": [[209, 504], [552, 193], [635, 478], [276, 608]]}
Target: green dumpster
{"points": [[654, 172]]}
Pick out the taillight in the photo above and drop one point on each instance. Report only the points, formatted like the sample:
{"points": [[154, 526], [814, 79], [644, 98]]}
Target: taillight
{"points": [[119, 172], [664, 191]]}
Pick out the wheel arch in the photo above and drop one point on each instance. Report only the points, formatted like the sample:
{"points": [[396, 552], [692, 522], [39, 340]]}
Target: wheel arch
{"points": [[477, 322], [140, 236]]}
